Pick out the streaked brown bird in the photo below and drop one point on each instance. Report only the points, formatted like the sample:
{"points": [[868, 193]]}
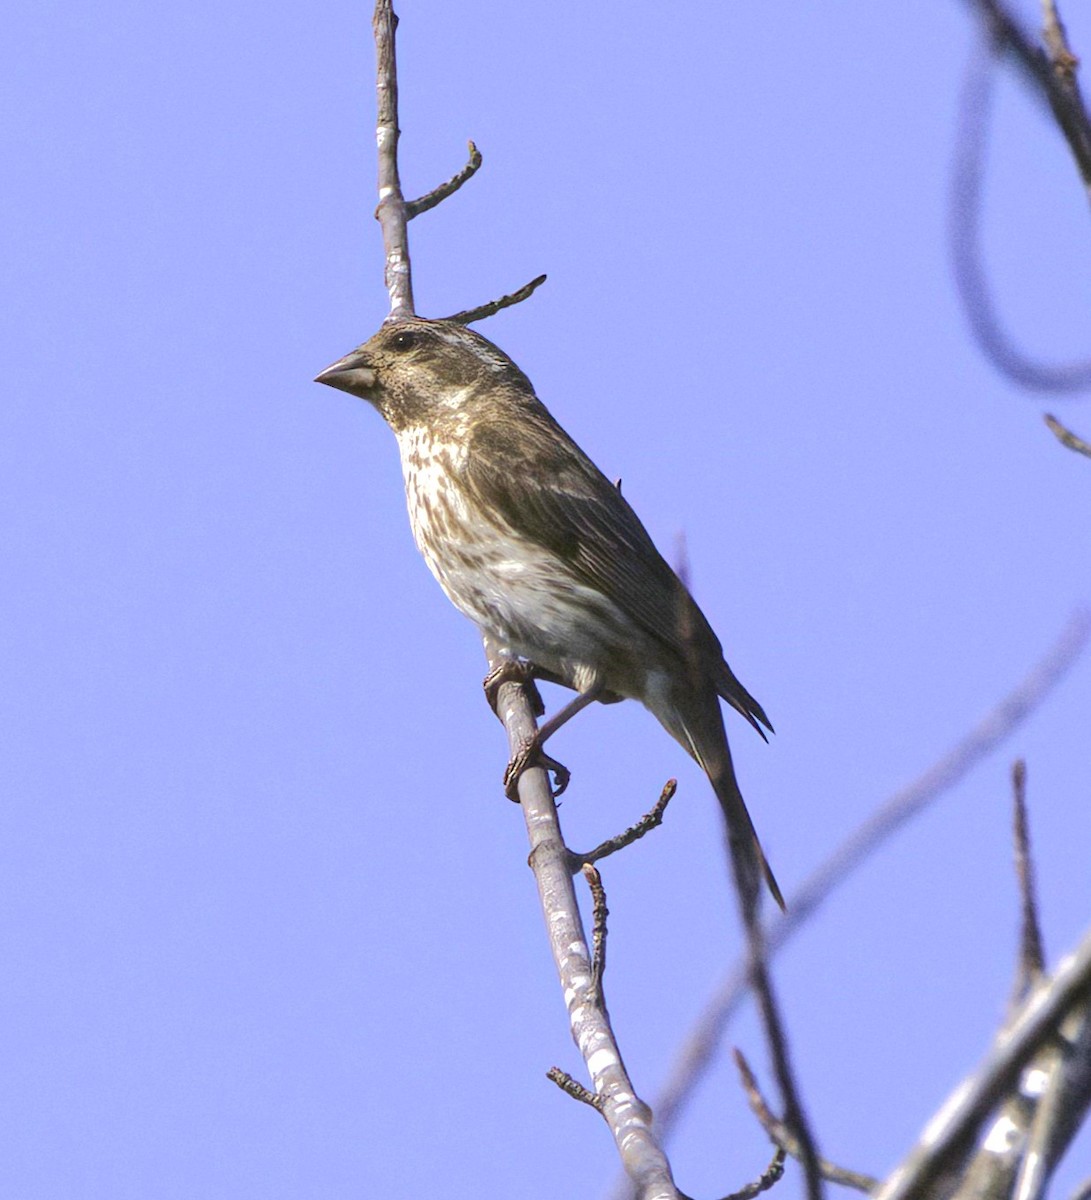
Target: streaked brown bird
{"points": [[542, 552]]}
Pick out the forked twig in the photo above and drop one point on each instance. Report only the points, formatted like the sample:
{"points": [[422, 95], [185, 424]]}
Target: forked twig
{"points": [[781, 1136]]}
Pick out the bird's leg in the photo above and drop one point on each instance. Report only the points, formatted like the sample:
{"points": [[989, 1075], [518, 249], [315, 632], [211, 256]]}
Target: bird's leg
{"points": [[514, 670], [530, 753]]}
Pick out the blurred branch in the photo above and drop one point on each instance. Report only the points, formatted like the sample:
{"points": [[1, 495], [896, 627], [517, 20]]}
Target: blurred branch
{"points": [[967, 181], [948, 1135], [1066, 437], [781, 1136], [749, 889], [703, 1042], [1053, 76], [1031, 955]]}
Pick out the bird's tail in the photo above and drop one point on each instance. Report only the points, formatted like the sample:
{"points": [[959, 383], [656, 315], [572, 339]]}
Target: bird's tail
{"points": [[706, 740]]}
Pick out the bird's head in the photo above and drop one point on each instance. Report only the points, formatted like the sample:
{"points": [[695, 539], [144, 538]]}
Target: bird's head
{"points": [[414, 371]]}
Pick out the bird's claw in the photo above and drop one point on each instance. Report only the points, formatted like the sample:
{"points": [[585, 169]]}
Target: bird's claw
{"points": [[513, 670], [530, 754]]}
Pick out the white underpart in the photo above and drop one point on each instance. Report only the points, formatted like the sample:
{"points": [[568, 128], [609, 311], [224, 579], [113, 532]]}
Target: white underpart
{"points": [[507, 587]]}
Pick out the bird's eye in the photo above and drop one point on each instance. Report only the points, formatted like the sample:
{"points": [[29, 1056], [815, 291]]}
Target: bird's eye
{"points": [[405, 340]]}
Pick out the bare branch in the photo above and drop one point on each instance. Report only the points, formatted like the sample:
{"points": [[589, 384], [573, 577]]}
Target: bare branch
{"points": [[1083, 1192], [761, 982], [1054, 79], [414, 208], [648, 822], [1064, 1072], [629, 1118], [771, 1176], [469, 315], [1066, 437], [700, 1048], [948, 1134], [965, 237], [391, 213], [1031, 954], [782, 1137]]}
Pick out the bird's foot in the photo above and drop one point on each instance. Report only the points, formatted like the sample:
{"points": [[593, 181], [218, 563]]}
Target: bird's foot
{"points": [[531, 754], [513, 670]]}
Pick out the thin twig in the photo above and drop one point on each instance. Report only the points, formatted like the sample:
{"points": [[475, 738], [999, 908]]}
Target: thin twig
{"points": [[575, 1089], [1066, 437], [648, 822], [469, 315], [1031, 953], [795, 1120], [391, 212], [771, 1176], [629, 1118], [782, 1137], [414, 208], [599, 913], [699, 1049], [964, 225], [958, 1119]]}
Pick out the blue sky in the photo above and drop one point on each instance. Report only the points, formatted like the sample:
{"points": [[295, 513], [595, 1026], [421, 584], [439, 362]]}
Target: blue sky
{"points": [[266, 919]]}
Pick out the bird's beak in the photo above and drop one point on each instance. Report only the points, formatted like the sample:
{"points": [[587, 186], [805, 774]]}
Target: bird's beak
{"points": [[350, 374]]}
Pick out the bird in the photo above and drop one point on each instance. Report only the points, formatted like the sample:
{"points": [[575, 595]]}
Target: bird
{"points": [[532, 542]]}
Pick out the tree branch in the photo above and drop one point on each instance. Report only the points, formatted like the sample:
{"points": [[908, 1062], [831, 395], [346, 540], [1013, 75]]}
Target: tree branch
{"points": [[391, 212], [1053, 77], [629, 1118], [964, 223], [781, 1136], [947, 1135], [700, 1048]]}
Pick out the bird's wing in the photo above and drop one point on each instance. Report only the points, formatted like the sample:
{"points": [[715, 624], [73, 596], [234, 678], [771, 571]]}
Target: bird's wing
{"points": [[548, 490]]}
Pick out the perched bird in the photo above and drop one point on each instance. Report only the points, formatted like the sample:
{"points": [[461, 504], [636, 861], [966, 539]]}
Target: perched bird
{"points": [[542, 552]]}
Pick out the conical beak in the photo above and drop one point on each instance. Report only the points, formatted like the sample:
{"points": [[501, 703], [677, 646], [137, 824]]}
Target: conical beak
{"points": [[350, 374]]}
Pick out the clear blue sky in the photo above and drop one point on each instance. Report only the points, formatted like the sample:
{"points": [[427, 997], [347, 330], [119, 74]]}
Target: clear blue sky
{"points": [[265, 919]]}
